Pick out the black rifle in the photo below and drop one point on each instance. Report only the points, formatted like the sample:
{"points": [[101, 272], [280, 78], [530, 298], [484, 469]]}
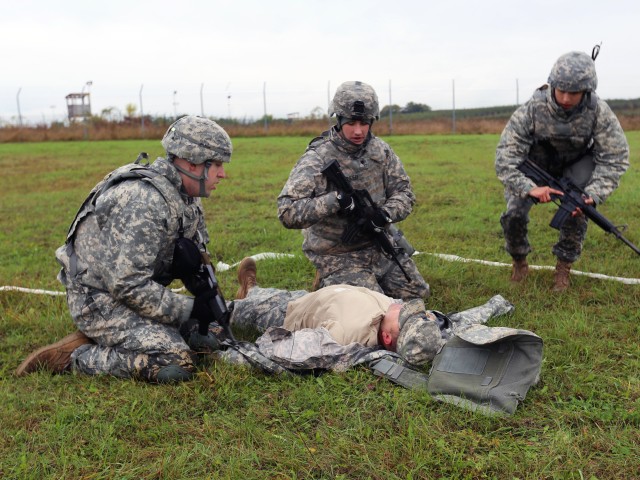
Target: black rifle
{"points": [[194, 268], [362, 202], [573, 197]]}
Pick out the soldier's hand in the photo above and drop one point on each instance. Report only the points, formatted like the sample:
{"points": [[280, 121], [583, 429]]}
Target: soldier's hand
{"points": [[544, 194], [378, 217], [346, 201], [578, 211]]}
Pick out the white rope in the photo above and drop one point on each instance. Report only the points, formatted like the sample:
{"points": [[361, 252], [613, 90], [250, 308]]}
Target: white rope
{"points": [[455, 258], [223, 267], [36, 291]]}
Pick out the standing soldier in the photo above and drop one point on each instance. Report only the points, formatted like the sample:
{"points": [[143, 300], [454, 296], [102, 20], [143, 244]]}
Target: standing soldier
{"points": [[118, 261], [341, 246], [568, 131]]}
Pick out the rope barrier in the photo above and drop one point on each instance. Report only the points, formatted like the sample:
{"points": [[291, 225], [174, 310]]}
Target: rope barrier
{"points": [[223, 267]]}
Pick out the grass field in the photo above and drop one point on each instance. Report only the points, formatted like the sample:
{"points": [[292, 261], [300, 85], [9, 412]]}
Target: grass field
{"points": [[581, 422]]}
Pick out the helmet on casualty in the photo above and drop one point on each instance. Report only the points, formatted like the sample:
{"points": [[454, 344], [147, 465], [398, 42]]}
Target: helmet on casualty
{"points": [[356, 101], [197, 140], [574, 72]]}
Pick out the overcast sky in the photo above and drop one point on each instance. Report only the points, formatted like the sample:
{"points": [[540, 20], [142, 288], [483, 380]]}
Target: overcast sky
{"points": [[232, 57]]}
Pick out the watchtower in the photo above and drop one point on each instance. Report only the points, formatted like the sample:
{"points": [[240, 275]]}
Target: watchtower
{"points": [[78, 106]]}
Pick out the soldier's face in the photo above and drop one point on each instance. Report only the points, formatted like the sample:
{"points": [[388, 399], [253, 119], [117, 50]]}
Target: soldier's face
{"points": [[355, 131], [192, 184], [216, 173], [390, 327], [567, 100]]}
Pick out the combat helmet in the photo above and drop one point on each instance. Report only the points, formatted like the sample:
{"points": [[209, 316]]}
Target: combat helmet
{"points": [[574, 72], [356, 101], [197, 140]]}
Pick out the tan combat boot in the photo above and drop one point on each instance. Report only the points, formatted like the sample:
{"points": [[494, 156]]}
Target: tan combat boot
{"points": [[55, 357], [316, 282], [247, 272], [561, 276], [519, 270]]}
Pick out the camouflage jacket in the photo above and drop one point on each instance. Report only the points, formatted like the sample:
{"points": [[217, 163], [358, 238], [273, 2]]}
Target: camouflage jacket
{"points": [[122, 239], [308, 202], [554, 138]]}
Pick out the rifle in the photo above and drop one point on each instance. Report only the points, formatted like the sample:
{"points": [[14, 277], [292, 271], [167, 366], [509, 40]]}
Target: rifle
{"points": [[573, 197], [194, 268], [362, 201]]}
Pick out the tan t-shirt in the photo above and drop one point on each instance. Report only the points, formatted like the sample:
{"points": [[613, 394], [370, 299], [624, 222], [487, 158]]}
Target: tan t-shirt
{"points": [[350, 314]]}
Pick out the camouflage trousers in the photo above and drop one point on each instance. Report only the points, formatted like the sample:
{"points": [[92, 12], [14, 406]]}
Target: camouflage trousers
{"points": [[126, 344], [370, 268], [515, 220], [263, 308]]}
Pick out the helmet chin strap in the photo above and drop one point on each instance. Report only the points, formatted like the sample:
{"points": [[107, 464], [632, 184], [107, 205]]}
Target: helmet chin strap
{"points": [[202, 179]]}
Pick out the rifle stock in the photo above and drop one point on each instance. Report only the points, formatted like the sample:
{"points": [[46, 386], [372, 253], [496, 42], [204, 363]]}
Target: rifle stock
{"points": [[573, 197]]}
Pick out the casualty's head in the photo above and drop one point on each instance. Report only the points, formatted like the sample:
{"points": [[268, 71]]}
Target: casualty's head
{"points": [[355, 105], [572, 77], [198, 147], [420, 336]]}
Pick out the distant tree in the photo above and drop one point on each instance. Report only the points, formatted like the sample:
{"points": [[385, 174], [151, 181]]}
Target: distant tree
{"points": [[130, 108], [317, 113], [412, 107], [385, 111], [111, 114]]}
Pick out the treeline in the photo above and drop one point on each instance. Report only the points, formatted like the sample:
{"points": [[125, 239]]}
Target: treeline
{"points": [[619, 106], [487, 120]]}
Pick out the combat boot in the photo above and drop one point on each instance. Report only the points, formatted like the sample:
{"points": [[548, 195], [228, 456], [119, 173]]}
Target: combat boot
{"points": [[519, 270], [561, 276], [55, 357], [247, 272], [316, 281]]}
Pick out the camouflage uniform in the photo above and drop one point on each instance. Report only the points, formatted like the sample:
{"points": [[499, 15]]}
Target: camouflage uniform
{"points": [[309, 203], [422, 332], [263, 308], [117, 264], [586, 144]]}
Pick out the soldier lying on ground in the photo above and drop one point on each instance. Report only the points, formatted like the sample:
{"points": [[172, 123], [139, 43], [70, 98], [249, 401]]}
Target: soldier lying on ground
{"points": [[355, 315]]}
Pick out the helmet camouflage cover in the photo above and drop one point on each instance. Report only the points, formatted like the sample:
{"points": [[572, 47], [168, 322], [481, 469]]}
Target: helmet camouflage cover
{"points": [[198, 140], [355, 100], [574, 72], [420, 337]]}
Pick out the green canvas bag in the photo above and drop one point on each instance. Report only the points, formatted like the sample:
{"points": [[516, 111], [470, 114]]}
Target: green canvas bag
{"points": [[486, 369]]}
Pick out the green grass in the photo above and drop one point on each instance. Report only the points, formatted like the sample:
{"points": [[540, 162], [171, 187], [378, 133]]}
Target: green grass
{"points": [[581, 422]]}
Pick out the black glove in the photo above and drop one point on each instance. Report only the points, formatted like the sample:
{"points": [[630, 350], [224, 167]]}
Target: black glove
{"points": [[377, 217], [346, 201]]}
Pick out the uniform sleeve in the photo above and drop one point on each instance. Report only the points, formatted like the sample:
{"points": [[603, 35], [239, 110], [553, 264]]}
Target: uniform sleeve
{"points": [[134, 236], [304, 199], [610, 154], [400, 196], [513, 149]]}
